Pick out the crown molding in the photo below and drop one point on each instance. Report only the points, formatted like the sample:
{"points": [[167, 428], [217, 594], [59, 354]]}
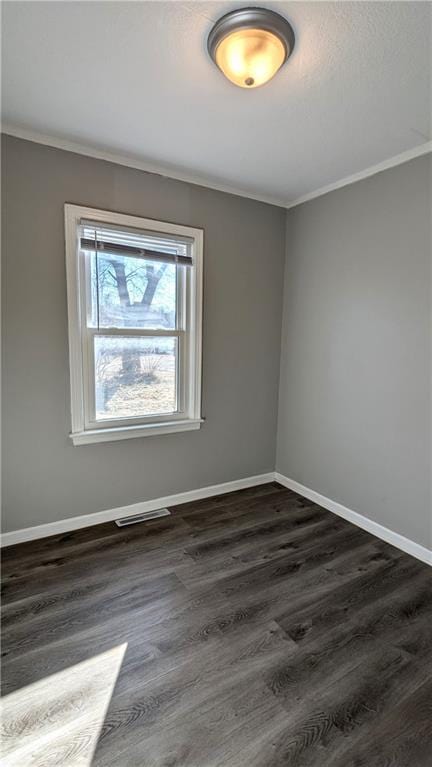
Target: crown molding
{"points": [[398, 159], [208, 183], [133, 162]]}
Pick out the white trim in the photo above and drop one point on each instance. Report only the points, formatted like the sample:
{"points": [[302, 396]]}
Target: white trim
{"points": [[134, 162], [395, 539], [398, 159], [87, 520], [90, 436], [190, 178], [85, 429]]}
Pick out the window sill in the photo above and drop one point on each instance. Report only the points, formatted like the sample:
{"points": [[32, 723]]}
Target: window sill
{"points": [[131, 432]]}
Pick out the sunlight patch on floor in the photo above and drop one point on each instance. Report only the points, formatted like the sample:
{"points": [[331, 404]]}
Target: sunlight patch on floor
{"points": [[57, 720]]}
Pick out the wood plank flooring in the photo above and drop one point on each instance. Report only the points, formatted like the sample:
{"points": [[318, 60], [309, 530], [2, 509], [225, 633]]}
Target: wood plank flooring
{"points": [[252, 629]]}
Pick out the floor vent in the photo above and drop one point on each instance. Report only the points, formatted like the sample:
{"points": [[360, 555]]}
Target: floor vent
{"points": [[146, 515]]}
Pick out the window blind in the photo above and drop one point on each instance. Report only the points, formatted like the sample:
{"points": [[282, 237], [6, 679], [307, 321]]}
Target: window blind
{"points": [[135, 243]]}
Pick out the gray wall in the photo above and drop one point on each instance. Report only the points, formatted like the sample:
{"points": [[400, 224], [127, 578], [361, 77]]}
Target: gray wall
{"points": [[45, 477], [354, 395], [354, 400]]}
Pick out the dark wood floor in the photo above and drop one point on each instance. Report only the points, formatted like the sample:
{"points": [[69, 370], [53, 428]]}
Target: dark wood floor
{"points": [[248, 630]]}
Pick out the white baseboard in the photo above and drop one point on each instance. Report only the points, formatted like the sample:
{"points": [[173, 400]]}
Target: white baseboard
{"points": [[405, 544], [87, 520]]}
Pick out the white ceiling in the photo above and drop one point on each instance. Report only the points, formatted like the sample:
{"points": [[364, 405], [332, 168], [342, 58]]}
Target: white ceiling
{"points": [[134, 78]]}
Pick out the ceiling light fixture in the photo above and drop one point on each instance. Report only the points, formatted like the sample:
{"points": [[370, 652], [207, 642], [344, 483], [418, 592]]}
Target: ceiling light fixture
{"points": [[250, 45]]}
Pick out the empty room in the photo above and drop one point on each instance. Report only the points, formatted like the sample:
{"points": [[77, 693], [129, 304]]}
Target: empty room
{"points": [[216, 242]]}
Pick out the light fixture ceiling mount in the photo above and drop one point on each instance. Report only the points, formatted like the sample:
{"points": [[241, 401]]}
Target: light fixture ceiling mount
{"points": [[250, 45]]}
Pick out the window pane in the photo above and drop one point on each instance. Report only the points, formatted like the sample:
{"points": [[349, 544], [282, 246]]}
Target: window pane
{"points": [[135, 376], [133, 292]]}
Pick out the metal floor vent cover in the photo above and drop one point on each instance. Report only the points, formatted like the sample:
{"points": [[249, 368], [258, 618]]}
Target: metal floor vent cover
{"points": [[146, 515]]}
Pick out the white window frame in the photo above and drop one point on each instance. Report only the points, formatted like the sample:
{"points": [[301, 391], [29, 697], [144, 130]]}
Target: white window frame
{"points": [[188, 416]]}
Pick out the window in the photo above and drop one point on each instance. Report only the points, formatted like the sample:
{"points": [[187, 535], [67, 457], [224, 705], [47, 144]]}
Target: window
{"points": [[134, 305]]}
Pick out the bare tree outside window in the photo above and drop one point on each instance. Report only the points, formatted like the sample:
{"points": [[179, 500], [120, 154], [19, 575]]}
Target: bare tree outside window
{"points": [[134, 293]]}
